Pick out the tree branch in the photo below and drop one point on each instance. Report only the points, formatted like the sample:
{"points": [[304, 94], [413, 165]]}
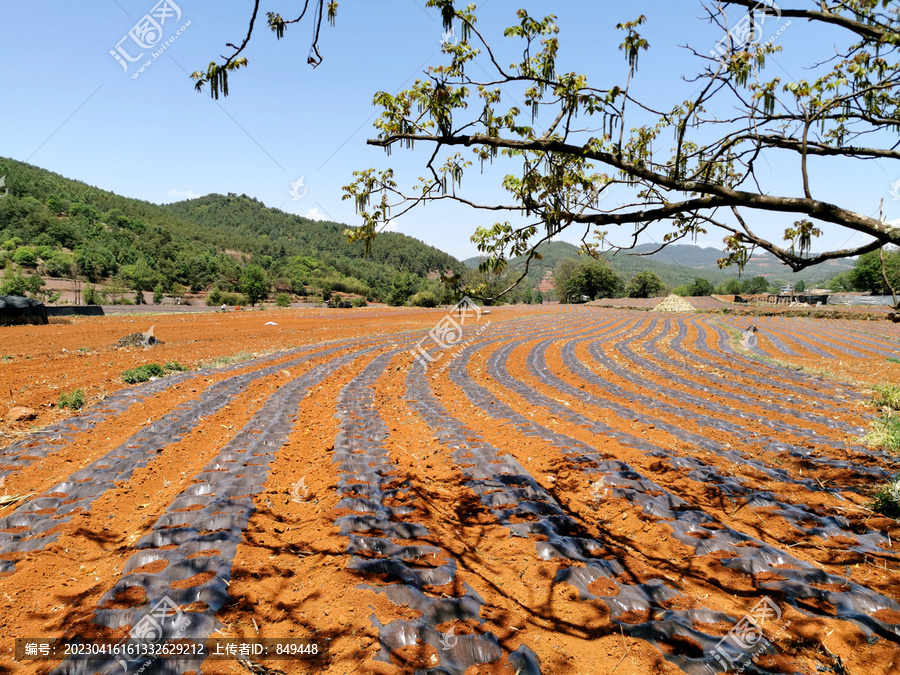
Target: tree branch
{"points": [[865, 30], [717, 195]]}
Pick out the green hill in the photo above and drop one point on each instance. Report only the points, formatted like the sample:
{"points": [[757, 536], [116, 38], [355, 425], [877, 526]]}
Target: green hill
{"points": [[246, 224], [61, 227]]}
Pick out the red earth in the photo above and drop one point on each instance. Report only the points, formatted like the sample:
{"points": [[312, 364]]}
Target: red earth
{"points": [[597, 490]]}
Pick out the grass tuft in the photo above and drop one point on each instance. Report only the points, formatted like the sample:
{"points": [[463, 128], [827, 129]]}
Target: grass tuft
{"points": [[886, 500], [143, 373], [887, 396], [884, 433], [73, 401]]}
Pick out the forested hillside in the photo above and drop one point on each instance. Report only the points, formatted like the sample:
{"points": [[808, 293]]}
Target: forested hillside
{"points": [[57, 227], [246, 224]]}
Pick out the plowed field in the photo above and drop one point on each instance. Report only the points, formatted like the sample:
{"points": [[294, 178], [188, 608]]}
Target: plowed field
{"points": [[548, 490]]}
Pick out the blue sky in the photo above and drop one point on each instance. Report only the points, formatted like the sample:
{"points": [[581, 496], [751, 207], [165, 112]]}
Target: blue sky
{"points": [[69, 106]]}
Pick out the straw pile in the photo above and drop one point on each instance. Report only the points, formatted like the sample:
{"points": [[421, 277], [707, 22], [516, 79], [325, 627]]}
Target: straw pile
{"points": [[674, 303]]}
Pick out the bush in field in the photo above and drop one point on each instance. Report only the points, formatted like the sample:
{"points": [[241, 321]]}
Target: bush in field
{"points": [[887, 395], [339, 302], [424, 299], [730, 287], [868, 275], [283, 300], [143, 373], [74, 401], [359, 302], [755, 286], [178, 291], [175, 367], [886, 500]]}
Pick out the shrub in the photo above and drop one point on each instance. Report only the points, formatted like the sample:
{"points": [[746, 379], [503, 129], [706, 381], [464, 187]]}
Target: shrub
{"points": [[25, 256], [90, 295], [359, 302], [283, 300], [335, 282], [178, 291], [143, 373], [75, 400], [887, 395], [424, 299], [234, 299], [175, 367], [214, 298], [16, 283], [58, 263], [338, 302], [254, 283], [886, 500]]}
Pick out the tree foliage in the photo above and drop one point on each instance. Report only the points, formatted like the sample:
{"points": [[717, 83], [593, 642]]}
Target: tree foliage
{"points": [[755, 286], [403, 287], [254, 283], [692, 166], [868, 276], [701, 288], [592, 280], [14, 282], [645, 285], [216, 74]]}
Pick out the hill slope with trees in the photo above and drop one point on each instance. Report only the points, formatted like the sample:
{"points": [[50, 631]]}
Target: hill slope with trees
{"points": [[58, 227]]}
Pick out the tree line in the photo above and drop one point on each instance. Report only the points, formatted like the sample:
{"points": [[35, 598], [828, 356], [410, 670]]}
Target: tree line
{"points": [[877, 272]]}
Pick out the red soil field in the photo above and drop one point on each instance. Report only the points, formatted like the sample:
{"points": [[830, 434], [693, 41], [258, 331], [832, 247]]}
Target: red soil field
{"points": [[564, 489]]}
